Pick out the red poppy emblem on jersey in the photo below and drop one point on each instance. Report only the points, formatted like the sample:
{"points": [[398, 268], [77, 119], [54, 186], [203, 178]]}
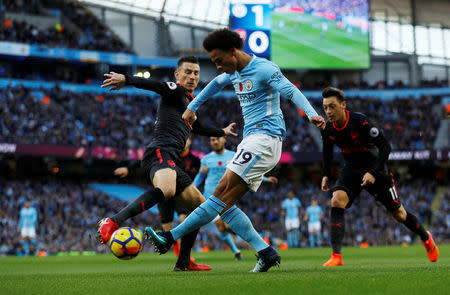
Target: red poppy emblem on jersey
{"points": [[241, 87], [354, 135], [171, 163], [219, 163]]}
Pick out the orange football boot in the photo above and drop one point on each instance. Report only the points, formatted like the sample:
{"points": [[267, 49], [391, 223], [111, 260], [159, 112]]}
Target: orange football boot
{"points": [[198, 267], [431, 247], [335, 260]]}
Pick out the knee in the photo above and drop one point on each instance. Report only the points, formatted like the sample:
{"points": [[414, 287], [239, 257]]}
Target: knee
{"points": [[340, 199], [399, 215], [168, 191]]}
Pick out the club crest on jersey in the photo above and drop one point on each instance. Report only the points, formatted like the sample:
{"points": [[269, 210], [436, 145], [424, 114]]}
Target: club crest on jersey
{"points": [[248, 85], [374, 132], [171, 85]]}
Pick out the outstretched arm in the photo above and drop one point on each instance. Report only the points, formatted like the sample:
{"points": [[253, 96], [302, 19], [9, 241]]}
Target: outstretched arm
{"points": [[279, 82], [212, 88], [117, 81], [201, 129]]}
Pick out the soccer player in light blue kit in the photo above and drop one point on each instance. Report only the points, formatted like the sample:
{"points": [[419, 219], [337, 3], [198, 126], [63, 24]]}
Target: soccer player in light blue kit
{"points": [[290, 207], [27, 225], [213, 167], [314, 216], [258, 84]]}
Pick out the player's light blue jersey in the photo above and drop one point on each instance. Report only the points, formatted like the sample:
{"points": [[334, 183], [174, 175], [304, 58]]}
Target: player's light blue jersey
{"points": [[28, 218], [258, 87], [217, 164], [291, 207], [313, 213]]}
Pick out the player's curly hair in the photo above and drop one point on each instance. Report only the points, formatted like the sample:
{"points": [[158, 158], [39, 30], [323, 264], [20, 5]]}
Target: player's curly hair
{"points": [[332, 91], [224, 39]]}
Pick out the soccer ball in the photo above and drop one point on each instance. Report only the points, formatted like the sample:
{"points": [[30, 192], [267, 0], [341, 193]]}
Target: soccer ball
{"points": [[125, 243]]}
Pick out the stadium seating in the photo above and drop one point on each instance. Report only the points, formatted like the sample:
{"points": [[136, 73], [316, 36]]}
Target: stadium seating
{"points": [[84, 32], [126, 121]]}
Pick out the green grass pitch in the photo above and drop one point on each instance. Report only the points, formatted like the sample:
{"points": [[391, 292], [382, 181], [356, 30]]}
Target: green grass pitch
{"points": [[298, 44], [376, 270]]}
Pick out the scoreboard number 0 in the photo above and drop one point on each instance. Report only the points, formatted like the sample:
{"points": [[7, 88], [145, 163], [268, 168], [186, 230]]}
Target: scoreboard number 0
{"points": [[253, 42]]}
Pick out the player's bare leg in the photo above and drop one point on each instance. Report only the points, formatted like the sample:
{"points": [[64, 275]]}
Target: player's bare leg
{"points": [[338, 203]]}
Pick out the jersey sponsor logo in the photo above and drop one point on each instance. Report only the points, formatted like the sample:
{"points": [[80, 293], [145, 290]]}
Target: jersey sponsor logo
{"points": [[248, 85], [348, 149], [171, 85], [374, 132], [246, 96]]}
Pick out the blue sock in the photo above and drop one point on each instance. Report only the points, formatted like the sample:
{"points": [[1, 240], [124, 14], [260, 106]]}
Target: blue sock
{"points": [[319, 240], [228, 240], [242, 226], [311, 241], [204, 214], [26, 247], [296, 238], [289, 239]]}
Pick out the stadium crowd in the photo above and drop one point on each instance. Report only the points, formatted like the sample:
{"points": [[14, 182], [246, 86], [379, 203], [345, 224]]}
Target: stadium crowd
{"points": [[69, 211], [21, 6], [67, 215], [60, 117], [94, 34]]}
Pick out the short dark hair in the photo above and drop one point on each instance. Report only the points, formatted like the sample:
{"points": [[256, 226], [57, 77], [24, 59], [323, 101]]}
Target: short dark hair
{"points": [[224, 39], [331, 91], [187, 58]]}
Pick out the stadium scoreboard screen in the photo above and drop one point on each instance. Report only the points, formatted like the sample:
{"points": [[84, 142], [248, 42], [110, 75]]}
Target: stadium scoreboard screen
{"points": [[252, 20], [307, 34]]}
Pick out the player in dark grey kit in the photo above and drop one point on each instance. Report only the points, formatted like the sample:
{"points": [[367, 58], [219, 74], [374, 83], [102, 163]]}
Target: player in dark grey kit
{"points": [[365, 151], [162, 157]]}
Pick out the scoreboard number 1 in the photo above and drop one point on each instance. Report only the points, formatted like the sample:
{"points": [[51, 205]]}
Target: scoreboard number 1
{"points": [[259, 15]]}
